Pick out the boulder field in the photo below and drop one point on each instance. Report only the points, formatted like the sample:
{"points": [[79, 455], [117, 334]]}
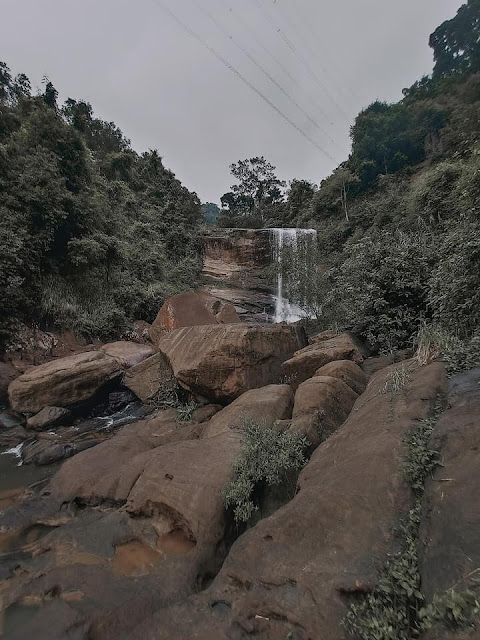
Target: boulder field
{"points": [[130, 538]]}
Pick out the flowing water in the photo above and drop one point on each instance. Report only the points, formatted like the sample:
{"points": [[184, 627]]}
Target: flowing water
{"points": [[291, 240]]}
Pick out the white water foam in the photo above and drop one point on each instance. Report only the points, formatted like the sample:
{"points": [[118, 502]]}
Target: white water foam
{"points": [[285, 310]]}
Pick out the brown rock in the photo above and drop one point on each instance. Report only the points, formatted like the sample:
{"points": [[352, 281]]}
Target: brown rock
{"points": [[372, 365], [7, 375], [128, 354], [305, 362], [321, 337], [185, 480], [223, 361], [203, 414], [108, 471], [287, 575], [149, 377], [63, 382], [228, 315], [49, 417], [450, 529], [185, 310], [322, 404], [348, 372], [268, 404]]}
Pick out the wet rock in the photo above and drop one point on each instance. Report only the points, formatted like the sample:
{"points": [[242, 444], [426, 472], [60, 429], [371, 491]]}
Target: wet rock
{"points": [[286, 576], [63, 382], [118, 400], [13, 436], [151, 378], [108, 472], [10, 420], [128, 354], [267, 404], [347, 371], [220, 362], [49, 417], [305, 362]]}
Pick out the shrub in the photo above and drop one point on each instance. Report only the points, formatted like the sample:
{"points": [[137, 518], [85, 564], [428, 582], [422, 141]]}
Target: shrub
{"points": [[380, 289], [454, 295], [457, 354], [267, 456]]}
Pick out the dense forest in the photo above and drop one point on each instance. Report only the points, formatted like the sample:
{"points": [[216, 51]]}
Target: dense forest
{"points": [[398, 222], [93, 234]]}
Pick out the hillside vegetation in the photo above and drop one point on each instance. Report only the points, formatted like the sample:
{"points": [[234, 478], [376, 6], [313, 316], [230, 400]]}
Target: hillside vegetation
{"points": [[93, 234], [399, 221]]}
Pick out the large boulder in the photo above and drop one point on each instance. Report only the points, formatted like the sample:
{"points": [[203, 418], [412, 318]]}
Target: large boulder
{"points": [[150, 378], [63, 382], [292, 575], [188, 309], [220, 362], [305, 362], [128, 354], [267, 404], [450, 549], [348, 372]]}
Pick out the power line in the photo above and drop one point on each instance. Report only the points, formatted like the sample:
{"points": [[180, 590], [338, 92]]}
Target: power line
{"points": [[261, 68], [305, 63], [219, 57], [308, 28], [279, 63]]}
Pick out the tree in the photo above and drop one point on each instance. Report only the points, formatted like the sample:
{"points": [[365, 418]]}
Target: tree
{"points": [[299, 199], [258, 186], [51, 94], [210, 212], [456, 42]]}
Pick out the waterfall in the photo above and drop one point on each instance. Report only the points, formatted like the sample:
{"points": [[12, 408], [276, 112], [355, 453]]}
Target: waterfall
{"points": [[286, 310]]}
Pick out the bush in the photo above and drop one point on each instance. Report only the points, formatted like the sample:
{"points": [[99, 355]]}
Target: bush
{"points": [[267, 456], [380, 289], [454, 295]]}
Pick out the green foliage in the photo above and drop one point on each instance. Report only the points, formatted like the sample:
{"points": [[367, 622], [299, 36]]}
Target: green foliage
{"points": [[93, 234], [257, 189], [380, 289], [456, 42], [458, 355], [267, 456], [454, 608]]}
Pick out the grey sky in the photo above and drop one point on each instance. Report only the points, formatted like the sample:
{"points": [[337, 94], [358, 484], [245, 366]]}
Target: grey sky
{"points": [[165, 90]]}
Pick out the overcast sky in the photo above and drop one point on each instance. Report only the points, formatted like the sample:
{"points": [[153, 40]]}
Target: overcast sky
{"points": [[317, 61]]}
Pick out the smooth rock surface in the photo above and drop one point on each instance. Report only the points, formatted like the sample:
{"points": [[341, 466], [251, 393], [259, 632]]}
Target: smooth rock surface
{"points": [[347, 371], [63, 382], [307, 361], [289, 576], [266, 405], [49, 417], [128, 354], [185, 310], [220, 362], [149, 377]]}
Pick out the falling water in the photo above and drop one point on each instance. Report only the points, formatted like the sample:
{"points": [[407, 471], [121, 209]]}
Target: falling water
{"points": [[285, 310]]}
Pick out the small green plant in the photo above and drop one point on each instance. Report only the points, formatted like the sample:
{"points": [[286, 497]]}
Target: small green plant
{"points": [[397, 380], [391, 610], [454, 608], [267, 456], [458, 355], [185, 411]]}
